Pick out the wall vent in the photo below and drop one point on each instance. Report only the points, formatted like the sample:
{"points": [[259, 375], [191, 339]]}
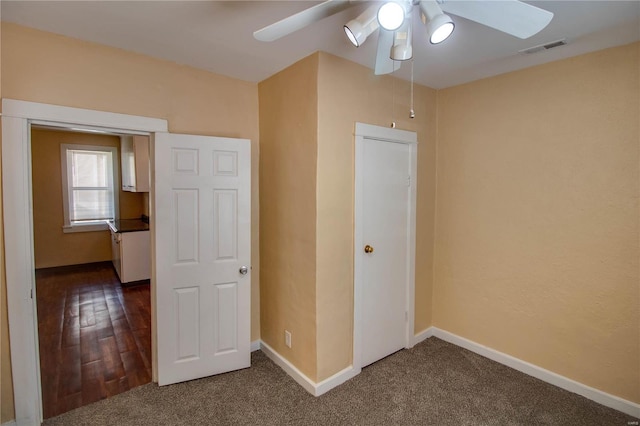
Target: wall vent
{"points": [[541, 47]]}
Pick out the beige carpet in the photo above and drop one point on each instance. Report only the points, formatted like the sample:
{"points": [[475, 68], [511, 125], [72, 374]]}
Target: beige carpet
{"points": [[435, 383]]}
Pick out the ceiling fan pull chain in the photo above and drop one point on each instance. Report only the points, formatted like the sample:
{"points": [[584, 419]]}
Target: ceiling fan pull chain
{"points": [[393, 102], [412, 113]]}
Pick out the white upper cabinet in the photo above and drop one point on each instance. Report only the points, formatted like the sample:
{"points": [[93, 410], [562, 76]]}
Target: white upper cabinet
{"points": [[135, 163]]}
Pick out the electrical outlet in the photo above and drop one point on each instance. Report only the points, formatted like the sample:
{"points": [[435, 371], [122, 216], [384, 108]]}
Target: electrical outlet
{"points": [[287, 338]]}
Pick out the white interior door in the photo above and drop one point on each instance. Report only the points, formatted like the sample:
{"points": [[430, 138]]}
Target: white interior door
{"points": [[385, 250], [203, 248]]}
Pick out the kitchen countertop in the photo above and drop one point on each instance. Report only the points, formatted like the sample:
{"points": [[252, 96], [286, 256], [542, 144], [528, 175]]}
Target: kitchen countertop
{"points": [[128, 225]]}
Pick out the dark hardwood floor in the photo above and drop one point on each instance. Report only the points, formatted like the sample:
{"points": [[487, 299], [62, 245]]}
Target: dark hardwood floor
{"points": [[95, 335]]}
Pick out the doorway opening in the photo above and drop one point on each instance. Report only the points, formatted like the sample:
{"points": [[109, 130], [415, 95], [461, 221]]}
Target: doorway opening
{"points": [[93, 316], [181, 163], [17, 119]]}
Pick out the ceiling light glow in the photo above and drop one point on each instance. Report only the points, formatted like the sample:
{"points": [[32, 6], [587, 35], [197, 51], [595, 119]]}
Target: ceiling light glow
{"points": [[391, 16], [348, 29], [441, 33]]}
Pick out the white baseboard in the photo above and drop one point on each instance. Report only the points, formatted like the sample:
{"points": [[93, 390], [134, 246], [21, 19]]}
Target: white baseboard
{"points": [[315, 389], [255, 345], [9, 423], [336, 380], [422, 336], [290, 369], [608, 400]]}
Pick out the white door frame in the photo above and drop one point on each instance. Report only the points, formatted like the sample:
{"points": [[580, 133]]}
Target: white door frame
{"points": [[362, 133], [17, 117]]}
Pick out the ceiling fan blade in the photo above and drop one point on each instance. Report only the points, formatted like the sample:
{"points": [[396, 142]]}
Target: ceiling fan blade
{"points": [[509, 16], [300, 20], [384, 64]]}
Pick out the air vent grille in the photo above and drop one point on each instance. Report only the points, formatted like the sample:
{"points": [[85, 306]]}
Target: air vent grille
{"points": [[541, 47]]}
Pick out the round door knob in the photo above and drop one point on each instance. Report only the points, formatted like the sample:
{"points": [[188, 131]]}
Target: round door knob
{"points": [[368, 249], [244, 270]]}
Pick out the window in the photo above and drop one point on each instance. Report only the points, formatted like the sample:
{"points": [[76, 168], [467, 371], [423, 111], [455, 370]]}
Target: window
{"points": [[89, 186]]}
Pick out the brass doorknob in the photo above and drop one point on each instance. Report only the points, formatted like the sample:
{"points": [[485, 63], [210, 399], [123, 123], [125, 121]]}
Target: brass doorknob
{"points": [[368, 249]]}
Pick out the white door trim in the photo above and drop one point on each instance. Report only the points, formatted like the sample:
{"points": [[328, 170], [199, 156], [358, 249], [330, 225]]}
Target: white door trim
{"points": [[18, 231], [362, 133]]}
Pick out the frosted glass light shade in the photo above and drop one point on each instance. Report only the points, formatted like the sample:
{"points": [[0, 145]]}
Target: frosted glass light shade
{"points": [[391, 16]]}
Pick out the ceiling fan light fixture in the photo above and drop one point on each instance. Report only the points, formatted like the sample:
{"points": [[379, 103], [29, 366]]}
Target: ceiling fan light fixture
{"points": [[440, 28], [391, 15], [357, 30], [439, 25], [353, 30], [402, 48], [402, 52]]}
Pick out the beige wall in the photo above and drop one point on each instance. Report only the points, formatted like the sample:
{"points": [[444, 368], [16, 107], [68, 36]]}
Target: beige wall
{"points": [[6, 382], [288, 153], [6, 386], [52, 247], [306, 215], [349, 93], [44, 67], [537, 217], [7, 412]]}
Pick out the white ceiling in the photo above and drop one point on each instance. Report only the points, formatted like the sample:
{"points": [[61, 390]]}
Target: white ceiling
{"points": [[218, 35]]}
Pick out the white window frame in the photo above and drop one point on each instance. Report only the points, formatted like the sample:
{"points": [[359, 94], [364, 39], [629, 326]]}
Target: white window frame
{"points": [[98, 225]]}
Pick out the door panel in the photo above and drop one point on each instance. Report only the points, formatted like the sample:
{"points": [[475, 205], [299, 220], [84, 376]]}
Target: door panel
{"points": [[386, 171], [226, 296], [225, 206], [185, 205], [188, 324], [202, 218]]}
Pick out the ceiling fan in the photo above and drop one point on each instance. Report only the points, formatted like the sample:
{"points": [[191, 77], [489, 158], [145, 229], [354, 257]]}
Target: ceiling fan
{"points": [[393, 19]]}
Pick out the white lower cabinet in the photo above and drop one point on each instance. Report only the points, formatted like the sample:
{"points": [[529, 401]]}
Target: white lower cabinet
{"points": [[115, 253], [131, 255]]}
